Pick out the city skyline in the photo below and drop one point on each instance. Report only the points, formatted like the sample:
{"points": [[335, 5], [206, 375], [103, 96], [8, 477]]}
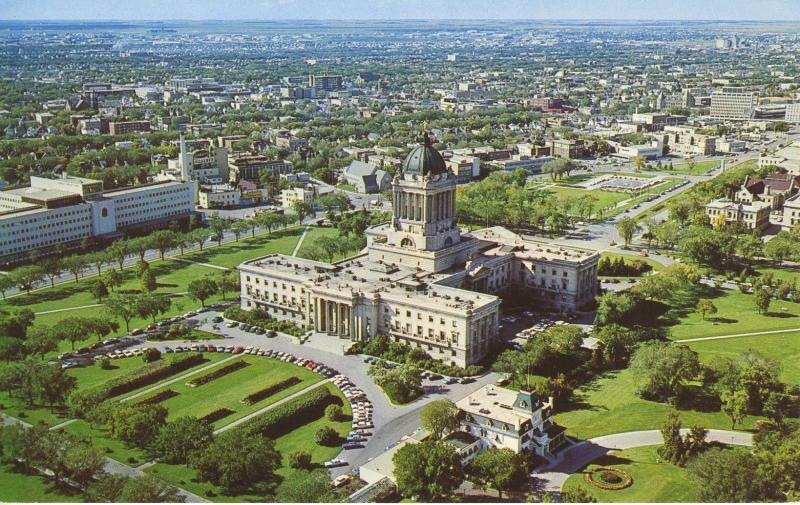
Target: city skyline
{"points": [[657, 10]]}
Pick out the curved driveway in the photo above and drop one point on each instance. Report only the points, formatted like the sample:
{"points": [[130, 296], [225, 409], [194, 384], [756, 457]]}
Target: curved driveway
{"points": [[573, 458]]}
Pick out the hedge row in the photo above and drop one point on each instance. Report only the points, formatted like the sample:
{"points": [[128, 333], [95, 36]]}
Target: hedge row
{"points": [[80, 401], [216, 374], [285, 418], [158, 398], [270, 390], [216, 415]]}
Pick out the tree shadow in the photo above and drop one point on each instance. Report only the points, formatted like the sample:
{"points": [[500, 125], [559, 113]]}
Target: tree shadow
{"points": [[722, 320], [610, 460], [780, 315]]}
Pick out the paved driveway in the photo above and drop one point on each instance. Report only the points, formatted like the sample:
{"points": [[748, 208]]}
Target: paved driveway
{"points": [[391, 422], [572, 459]]}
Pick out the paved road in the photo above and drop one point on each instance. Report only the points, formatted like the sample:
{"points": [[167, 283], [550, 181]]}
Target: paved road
{"points": [[572, 459], [391, 422]]}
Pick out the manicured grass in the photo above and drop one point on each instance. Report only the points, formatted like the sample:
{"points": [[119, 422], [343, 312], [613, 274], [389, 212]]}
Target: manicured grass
{"points": [[604, 198], [346, 187], [578, 178], [229, 390], [736, 313], [700, 167], [782, 347], [301, 438], [314, 234], [16, 486], [230, 255], [16, 407], [654, 481], [609, 405]]}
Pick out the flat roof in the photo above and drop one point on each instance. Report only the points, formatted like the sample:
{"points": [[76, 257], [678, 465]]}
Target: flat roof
{"points": [[495, 403]]}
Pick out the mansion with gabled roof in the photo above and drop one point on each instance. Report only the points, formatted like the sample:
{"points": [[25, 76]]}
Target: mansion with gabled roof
{"points": [[422, 280]]}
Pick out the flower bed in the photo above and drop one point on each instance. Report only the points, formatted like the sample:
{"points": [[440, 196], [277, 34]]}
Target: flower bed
{"points": [[608, 478], [270, 390], [158, 398], [216, 374], [216, 415]]}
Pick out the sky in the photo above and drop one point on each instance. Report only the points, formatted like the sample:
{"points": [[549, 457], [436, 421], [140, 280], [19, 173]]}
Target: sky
{"points": [[781, 10]]}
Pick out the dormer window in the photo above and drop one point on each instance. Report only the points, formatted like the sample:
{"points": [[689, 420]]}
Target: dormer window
{"points": [[523, 404]]}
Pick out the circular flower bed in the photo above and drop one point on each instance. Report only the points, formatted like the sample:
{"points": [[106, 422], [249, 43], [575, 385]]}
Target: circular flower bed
{"points": [[608, 478]]}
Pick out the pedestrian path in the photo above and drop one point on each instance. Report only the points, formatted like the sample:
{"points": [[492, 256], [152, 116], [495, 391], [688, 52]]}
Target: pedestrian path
{"points": [[69, 308], [737, 335], [209, 265], [300, 242]]}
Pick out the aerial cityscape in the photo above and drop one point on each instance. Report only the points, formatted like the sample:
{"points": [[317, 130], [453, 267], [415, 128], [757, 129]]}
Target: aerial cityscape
{"points": [[336, 252]]}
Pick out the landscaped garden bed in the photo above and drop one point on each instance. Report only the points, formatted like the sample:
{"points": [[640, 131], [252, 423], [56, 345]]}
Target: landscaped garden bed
{"points": [[608, 478], [215, 415], [268, 391], [216, 374], [158, 398]]}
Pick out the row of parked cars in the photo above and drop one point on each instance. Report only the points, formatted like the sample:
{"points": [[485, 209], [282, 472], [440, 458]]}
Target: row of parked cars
{"points": [[164, 324], [362, 414]]}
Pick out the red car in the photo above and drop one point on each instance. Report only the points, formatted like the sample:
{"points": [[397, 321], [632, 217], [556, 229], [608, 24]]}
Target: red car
{"points": [[211, 348], [238, 350]]}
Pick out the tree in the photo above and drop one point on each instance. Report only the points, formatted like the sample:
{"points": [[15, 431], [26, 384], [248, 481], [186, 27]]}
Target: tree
{"points": [[41, 340], [749, 247], [325, 435], [27, 277], [640, 163], [98, 259], [334, 413], [762, 297], [500, 469], [6, 283], [300, 460], [105, 489], [301, 209], [428, 471], [238, 228], [123, 306], [163, 240], [402, 383], [330, 246], [202, 289], [152, 305], [660, 369], [218, 227], [112, 278], [147, 489], [627, 228], [71, 329], [673, 449], [138, 425], [148, 281], [734, 405], [178, 440], [727, 476], [51, 266], [141, 245], [227, 281], [307, 487], [199, 236], [439, 418], [119, 251], [100, 290], [705, 306], [780, 247], [237, 463], [81, 462], [268, 220]]}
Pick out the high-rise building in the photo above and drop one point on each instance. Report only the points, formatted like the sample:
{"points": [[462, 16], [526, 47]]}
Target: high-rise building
{"points": [[732, 103]]}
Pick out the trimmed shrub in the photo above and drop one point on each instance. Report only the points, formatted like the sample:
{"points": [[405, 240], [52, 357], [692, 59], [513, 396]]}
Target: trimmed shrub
{"points": [[80, 401], [271, 390], [334, 413], [290, 415], [219, 372], [158, 398], [300, 460], [326, 435], [216, 415]]}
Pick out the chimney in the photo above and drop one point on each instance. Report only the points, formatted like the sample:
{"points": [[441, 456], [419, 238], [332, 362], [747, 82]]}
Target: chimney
{"points": [[552, 401]]}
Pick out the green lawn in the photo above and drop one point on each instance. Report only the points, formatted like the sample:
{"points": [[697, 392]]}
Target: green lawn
{"points": [[16, 486], [579, 178], [315, 233], [101, 439], [229, 390], [231, 254], [736, 313], [609, 405], [782, 347], [654, 481], [300, 439], [629, 257], [346, 187], [700, 167]]}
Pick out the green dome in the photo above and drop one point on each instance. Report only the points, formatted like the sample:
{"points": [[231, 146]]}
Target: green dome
{"points": [[424, 160]]}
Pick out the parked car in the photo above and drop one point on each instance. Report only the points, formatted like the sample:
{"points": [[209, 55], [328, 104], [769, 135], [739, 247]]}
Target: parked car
{"points": [[217, 319]]}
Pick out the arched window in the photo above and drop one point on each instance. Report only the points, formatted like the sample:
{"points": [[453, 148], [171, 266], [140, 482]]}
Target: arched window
{"points": [[448, 241], [104, 212], [407, 242]]}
